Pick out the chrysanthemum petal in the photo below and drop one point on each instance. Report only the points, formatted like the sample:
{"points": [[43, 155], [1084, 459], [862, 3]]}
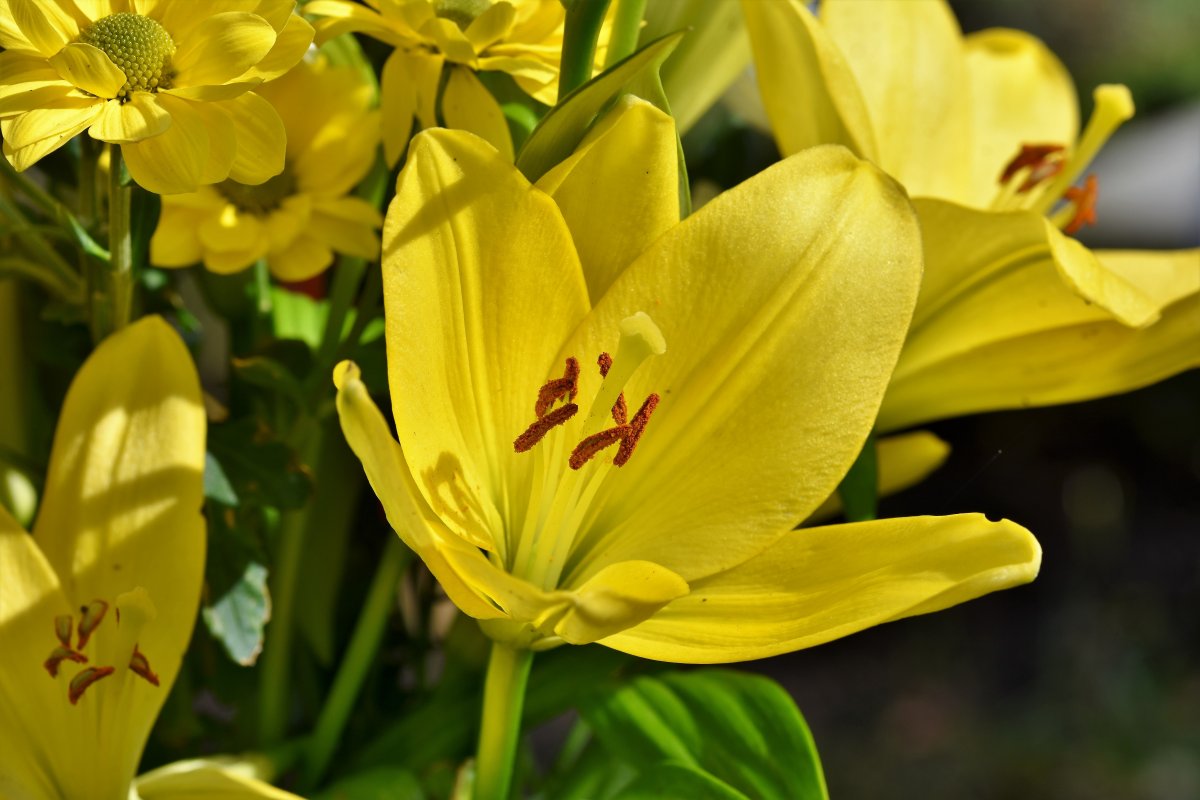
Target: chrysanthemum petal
{"points": [[140, 118], [347, 224], [232, 231], [261, 139], [176, 160], [619, 191], [304, 258], [47, 26], [490, 26], [819, 584], [784, 303], [221, 48], [89, 69], [37, 133], [467, 105], [290, 46], [175, 242]]}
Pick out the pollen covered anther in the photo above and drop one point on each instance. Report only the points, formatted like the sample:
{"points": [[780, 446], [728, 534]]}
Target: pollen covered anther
{"points": [[84, 679], [60, 655], [620, 412], [1084, 200], [63, 624], [627, 434], [139, 665], [1044, 161], [553, 390], [90, 617]]}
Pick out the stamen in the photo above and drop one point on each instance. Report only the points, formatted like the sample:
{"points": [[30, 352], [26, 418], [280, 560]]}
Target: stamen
{"points": [[620, 412], [62, 628], [89, 618], [84, 679], [627, 434], [1114, 105], [554, 390], [141, 666], [1084, 201], [534, 433], [1043, 161], [60, 655]]}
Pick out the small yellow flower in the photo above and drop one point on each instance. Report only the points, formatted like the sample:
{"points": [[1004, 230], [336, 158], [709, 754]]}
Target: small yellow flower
{"points": [[983, 132], [297, 219], [168, 80], [98, 604], [614, 444], [520, 37]]}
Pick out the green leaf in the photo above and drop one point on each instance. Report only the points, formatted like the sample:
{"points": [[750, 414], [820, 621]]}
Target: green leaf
{"points": [[382, 783], [216, 485], [298, 316], [262, 470], [741, 731], [237, 604], [859, 490], [267, 373], [563, 128]]}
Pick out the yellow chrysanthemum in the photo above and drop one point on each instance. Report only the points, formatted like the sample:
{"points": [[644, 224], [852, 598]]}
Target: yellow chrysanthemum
{"points": [[520, 37], [168, 80], [297, 219]]}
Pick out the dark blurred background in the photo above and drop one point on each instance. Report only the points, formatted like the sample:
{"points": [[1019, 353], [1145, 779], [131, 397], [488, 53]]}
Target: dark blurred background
{"points": [[1085, 684]]}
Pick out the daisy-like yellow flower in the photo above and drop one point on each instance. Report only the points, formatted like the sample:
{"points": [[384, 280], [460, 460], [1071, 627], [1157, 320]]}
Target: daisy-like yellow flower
{"points": [[98, 604], [520, 37], [297, 219], [983, 131], [168, 80], [614, 444]]}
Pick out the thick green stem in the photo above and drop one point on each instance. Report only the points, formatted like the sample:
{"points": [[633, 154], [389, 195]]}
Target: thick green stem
{"points": [[500, 730], [115, 309], [584, 19], [275, 676], [626, 26], [364, 644]]}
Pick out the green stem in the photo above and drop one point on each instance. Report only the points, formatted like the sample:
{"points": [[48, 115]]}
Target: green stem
{"points": [[360, 653], [499, 733], [275, 678], [115, 310], [35, 245], [627, 25], [583, 22]]}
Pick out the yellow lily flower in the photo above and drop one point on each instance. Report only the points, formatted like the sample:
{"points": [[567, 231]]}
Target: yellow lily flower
{"points": [[983, 131], [620, 455], [168, 80], [520, 37], [97, 606], [297, 219]]}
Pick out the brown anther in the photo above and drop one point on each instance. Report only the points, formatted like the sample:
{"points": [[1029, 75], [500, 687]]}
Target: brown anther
{"points": [[60, 655], [62, 628], [1044, 161], [89, 619], [534, 433], [556, 389], [141, 666], [1084, 199], [620, 413], [84, 679], [626, 433]]}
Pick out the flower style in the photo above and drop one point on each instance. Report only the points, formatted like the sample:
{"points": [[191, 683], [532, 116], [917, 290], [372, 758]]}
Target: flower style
{"points": [[982, 131], [298, 218], [613, 444], [168, 80], [520, 37], [97, 606]]}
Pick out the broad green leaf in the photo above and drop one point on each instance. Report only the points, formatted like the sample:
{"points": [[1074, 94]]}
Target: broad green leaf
{"points": [[381, 783], [262, 470], [742, 731], [672, 780], [237, 604], [216, 485], [267, 373], [563, 128], [298, 316]]}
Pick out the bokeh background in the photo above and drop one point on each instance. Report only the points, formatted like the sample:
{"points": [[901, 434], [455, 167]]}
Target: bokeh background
{"points": [[1085, 684]]}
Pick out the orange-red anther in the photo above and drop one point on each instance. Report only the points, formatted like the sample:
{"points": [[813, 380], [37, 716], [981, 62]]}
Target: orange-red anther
{"points": [[620, 413], [556, 389], [84, 679], [534, 433], [62, 628], [1043, 160], [60, 655], [1084, 199], [626, 433], [90, 617], [141, 666]]}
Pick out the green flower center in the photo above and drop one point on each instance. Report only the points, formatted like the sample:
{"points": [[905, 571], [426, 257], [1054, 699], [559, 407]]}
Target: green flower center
{"points": [[263, 198], [140, 46], [461, 12]]}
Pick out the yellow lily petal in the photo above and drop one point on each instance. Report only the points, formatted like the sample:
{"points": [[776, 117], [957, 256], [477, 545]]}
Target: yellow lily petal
{"points": [[141, 118], [990, 280], [909, 61], [903, 460], [819, 584], [202, 779], [618, 597], [368, 436], [479, 327], [261, 139], [808, 90], [177, 160], [469, 106], [221, 48], [1165, 276], [620, 190], [778, 350], [1020, 94], [47, 26], [119, 513], [89, 69]]}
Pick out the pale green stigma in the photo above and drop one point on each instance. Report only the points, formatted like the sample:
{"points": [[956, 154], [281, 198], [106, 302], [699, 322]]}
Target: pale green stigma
{"points": [[461, 12], [138, 45]]}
